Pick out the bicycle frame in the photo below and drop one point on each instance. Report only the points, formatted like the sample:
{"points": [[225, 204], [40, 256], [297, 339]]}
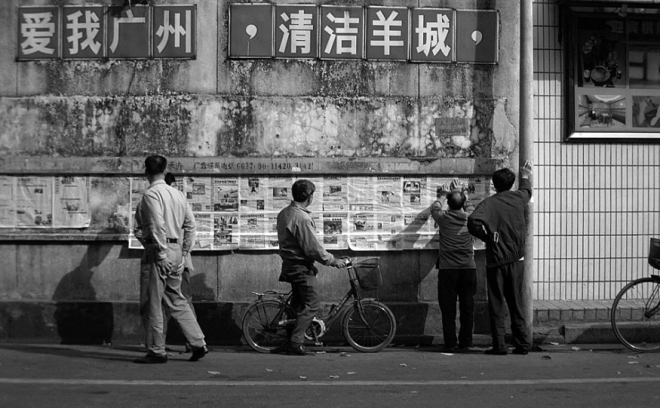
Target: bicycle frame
{"points": [[654, 298], [336, 312]]}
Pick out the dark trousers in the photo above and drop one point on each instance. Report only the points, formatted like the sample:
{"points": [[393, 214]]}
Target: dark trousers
{"points": [[305, 299], [505, 283], [453, 284]]}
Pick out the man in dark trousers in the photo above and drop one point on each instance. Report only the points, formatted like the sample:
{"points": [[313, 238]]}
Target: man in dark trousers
{"points": [[457, 272], [299, 249], [500, 222]]}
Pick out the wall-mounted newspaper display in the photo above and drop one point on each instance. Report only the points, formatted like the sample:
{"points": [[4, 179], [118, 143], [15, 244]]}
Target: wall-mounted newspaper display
{"points": [[44, 202], [357, 212]]}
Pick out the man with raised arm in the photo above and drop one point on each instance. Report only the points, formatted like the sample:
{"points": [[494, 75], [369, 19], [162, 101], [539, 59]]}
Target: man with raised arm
{"points": [[299, 249], [500, 222], [168, 232], [457, 272]]}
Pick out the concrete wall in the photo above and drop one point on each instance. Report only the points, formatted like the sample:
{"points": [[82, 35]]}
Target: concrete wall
{"points": [[215, 107]]}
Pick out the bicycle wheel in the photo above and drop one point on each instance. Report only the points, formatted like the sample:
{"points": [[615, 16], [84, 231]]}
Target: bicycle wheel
{"points": [[263, 329], [636, 315], [378, 331]]}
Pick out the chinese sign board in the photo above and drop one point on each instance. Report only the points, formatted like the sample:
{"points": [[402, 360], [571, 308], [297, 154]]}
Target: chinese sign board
{"points": [[372, 33], [92, 32]]}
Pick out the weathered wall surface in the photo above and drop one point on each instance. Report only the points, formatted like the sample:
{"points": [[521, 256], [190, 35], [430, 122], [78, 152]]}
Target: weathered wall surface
{"points": [[215, 107]]}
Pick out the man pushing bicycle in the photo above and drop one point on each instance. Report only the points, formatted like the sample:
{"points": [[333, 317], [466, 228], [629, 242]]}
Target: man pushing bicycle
{"points": [[299, 249]]}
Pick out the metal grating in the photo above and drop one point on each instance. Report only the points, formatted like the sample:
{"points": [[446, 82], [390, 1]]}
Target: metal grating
{"points": [[596, 205]]}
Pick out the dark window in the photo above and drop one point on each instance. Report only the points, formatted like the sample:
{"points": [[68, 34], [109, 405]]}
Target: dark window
{"points": [[613, 71]]}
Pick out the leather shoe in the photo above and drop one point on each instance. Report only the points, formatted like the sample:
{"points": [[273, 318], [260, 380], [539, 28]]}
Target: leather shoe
{"points": [[151, 359], [199, 353], [494, 352], [521, 351], [297, 349]]}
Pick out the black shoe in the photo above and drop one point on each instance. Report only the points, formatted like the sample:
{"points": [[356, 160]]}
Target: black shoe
{"points": [[151, 359], [494, 352], [188, 348], [297, 349], [521, 351], [449, 349], [464, 347], [199, 353]]}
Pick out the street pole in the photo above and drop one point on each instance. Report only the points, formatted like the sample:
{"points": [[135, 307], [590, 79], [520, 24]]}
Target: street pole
{"points": [[526, 146]]}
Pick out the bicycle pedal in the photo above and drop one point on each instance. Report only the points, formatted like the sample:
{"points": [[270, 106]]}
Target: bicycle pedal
{"points": [[318, 343]]}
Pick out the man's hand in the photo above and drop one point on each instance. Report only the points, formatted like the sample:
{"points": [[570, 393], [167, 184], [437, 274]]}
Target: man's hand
{"points": [[526, 170], [179, 268], [164, 266], [339, 263]]}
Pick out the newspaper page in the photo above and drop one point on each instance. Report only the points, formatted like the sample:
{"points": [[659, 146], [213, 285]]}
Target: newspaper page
{"points": [[71, 202], [204, 238], [138, 185], [34, 202], [252, 229], [414, 194], [278, 192], [225, 194], [225, 231], [198, 193], [388, 193], [7, 200], [335, 193], [252, 193], [361, 193], [335, 230], [271, 231]]}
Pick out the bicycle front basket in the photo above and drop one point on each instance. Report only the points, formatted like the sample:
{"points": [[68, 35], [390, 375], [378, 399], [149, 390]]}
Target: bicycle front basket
{"points": [[368, 273], [654, 253]]}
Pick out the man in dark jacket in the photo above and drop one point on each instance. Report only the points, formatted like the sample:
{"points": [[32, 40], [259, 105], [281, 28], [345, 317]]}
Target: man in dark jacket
{"points": [[457, 272], [299, 249], [500, 222]]}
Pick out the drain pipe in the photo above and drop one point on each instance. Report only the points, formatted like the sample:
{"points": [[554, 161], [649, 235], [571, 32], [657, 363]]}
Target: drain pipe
{"points": [[526, 146]]}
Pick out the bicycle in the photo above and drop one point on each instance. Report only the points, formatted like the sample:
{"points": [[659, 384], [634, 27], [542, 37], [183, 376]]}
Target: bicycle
{"points": [[635, 313], [367, 324]]}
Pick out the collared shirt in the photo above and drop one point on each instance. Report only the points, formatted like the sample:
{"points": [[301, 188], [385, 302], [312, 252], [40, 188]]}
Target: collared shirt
{"points": [[164, 213], [456, 243], [139, 235], [296, 234]]}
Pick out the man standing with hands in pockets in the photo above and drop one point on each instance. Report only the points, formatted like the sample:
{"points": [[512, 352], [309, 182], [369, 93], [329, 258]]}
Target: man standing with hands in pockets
{"points": [[500, 222], [168, 233]]}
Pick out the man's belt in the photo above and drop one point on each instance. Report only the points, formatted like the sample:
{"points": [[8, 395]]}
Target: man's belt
{"points": [[171, 240]]}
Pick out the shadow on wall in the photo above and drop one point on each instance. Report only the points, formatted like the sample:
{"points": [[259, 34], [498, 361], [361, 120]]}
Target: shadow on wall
{"points": [[79, 317]]}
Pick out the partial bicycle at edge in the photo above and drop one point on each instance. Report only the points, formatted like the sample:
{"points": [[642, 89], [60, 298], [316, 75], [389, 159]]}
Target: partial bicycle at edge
{"points": [[635, 314]]}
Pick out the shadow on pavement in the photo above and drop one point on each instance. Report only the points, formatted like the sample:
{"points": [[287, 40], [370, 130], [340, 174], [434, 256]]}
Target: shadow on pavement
{"points": [[100, 352]]}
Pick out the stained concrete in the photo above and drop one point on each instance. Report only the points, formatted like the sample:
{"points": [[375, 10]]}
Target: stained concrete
{"points": [[108, 114]]}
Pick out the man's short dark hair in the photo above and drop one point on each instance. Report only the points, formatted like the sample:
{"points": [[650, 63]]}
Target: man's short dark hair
{"points": [[155, 165], [170, 179], [456, 199], [302, 190], [503, 179]]}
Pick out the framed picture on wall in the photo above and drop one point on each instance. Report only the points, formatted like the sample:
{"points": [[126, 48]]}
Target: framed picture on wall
{"points": [[612, 72]]}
